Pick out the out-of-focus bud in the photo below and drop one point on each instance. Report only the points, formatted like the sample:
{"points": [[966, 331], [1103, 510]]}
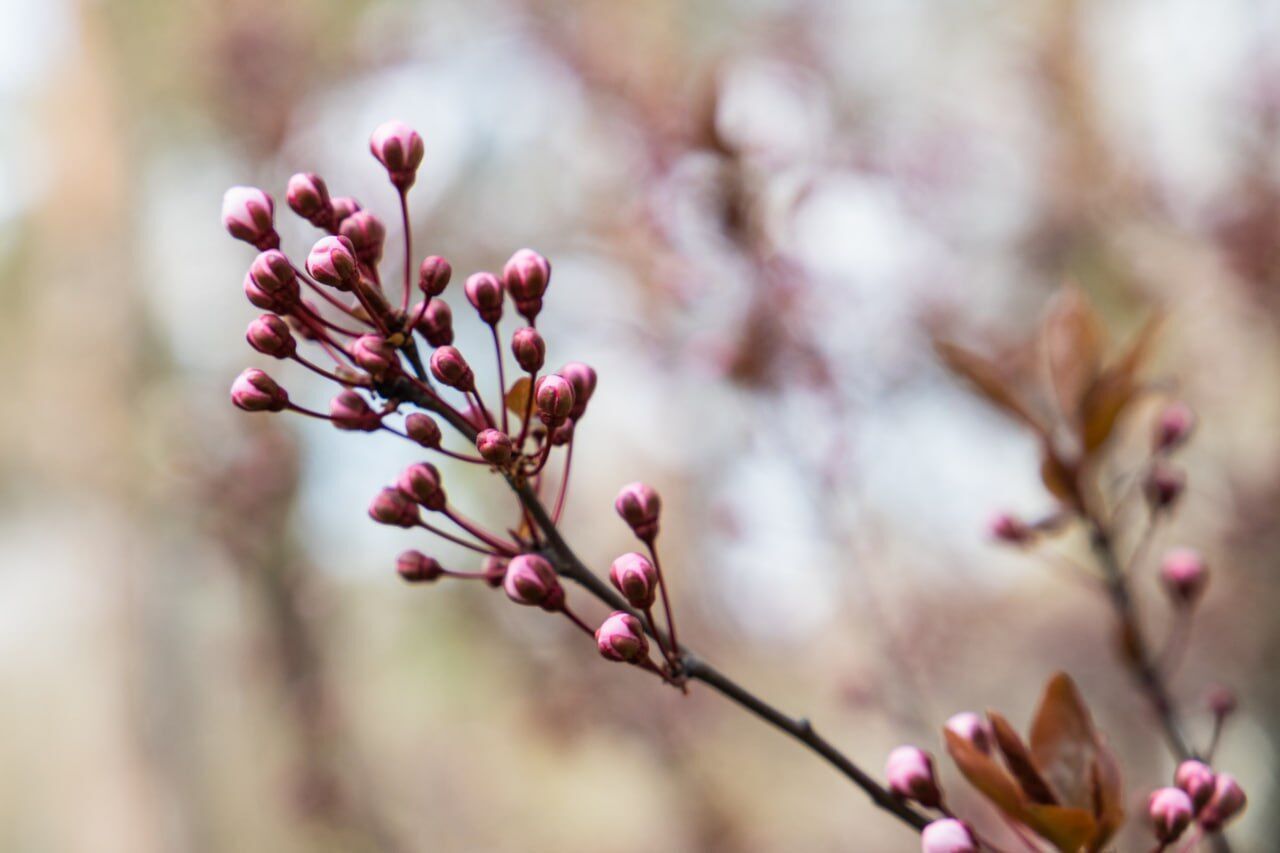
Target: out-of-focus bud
{"points": [[450, 368], [1171, 812], [1197, 779], [270, 335], [255, 391], [343, 206], [1221, 701], [366, 233], [309, 198], [621, 638], [436, 324], [332, 261], [389, 506], [947, 836], [582, 378], [530, 580], [910, 774], [248, 214], [434, 275], [1228, 801], [423, 429], [526, 275], [421, 482], [349, 411], [274, 275], [376, 355], [1164, 484], [640, 507], [1184, 575], [484, 292], [1175, 426], [529, 349], [1008, 528], [494, 570], [399, 149], [973, 729], [417, 567], [636, 578], [562, 434], [553, 398], [494, 446]]}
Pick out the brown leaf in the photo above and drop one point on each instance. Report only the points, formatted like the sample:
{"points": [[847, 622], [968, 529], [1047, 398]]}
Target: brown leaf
{"points": [[518, 396], [1074, 340], [1067, 829], [988, 380], [1059, 477], [1020, 762], [1114, 389]]}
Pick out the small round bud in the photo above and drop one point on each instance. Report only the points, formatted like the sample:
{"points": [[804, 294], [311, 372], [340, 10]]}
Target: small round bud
{"points": [[494, 446], [530, 580], [1164, 484], [526, 276], [450, 368], [1171, 812], [1008, 528], [309, 198], [553, 397], [495, 570], [621, 638], [436, 323], [973, 729], [255, 391], [389, 506], [582, 378], [342, 207], [248, 214], [270, 335], [1197, 779], [423, 429], [529, 349], [332, 261], [259, 298], [274, 275], [420, 482], [434, 275], [562, 434], [1228, 801], [910, 774], [639, 506], [376, 355], [636, 578], [484, 292], [366, 233], [1221, 701], [1175, 426], [417, 567], [947, 836], [399, 149], [1184, 575], [349, 411]]}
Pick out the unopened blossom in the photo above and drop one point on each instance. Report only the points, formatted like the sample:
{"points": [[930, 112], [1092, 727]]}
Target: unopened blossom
{"points": [[1184, 575], [270, 335], [621, 638], [417, 567], [248, 214], [636, 578], [526, 275], [255, 391], [420, 482], [484, 292], [911, 776], [639, 506], [947, 836], [308, 196], [1170, 811], [399, 149], [1228, 801], [350, 411], [433, 275], [531, 580], [450, 368], [1197, 779]]}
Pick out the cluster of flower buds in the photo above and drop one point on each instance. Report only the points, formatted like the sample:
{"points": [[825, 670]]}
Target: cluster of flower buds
{"points": [[1198, 795]]}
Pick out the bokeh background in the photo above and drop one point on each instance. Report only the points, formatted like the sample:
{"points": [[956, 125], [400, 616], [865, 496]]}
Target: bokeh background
{"points": [[756, 210]]}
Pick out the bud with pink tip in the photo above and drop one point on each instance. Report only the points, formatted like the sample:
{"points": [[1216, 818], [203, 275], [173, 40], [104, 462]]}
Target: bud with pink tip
{"points": [[308, 196], [1164, 484], [636, 578], [640, 506], [272, 273], [1228, 801], [421, 482], [582, 378], [947, 836], [1184, 575], [399, 149], [450, 368], [349, 411], [621, 638], [332, 261], [389, 506], [1221, 701], [529, 349], [376, 355], [553, 397], [270, 335], [526, 275], [417, 567], [910, 774], [1197, 779], [342, 207], [973, 729], [494, 446], [366, 233], [563, 434], [255, 391], [434, 275], [259, 298], [494, 570], [1174, 427], [1008, 528], [484, 292], [530, 580], [248, 214], [436, 323], [423, 429], [1171, 812]]}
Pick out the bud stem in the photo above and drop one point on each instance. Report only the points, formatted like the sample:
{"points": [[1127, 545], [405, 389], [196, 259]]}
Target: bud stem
{"points": [[564, 482], [479, 532], [666, 600], [457, 540], [502, 377], [408, 247]]}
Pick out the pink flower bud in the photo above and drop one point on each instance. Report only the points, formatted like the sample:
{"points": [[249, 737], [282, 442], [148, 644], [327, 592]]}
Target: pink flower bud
{"points": [[248, 215], [495, 570], [526, 275], [1184, 575], [332, 261], [1197, 779], [529, 349], [366, 233], [530, 580], [343, 206], [274, 275], [484, 292], [434, 275], [376, 355], [255, 391], [391, 507], [1228, 801], [436, 324], [421, 482], [910, 774], [1164, 484], [973, 729], [270, 335], [1221, 700], [1170, 811], [947, 836], [621, 638], [582, 378], [494, 446], [1006, 527], [259, 298], [422, 429], [639, 506], [562, 434], [553, 397], [309, 198], [417, 567], [636, 578], [399, 149], [349, 411], [450, 368], [1174, 427]]}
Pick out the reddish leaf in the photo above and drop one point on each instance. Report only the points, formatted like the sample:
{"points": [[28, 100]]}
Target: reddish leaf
{"points": [[1111, 393], [988, 380], [1020, 762], [1059, 477], [1074, 340], [518, 396]]}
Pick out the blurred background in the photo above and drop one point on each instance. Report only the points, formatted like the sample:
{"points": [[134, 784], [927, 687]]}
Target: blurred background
{"points": [[756, 212]]}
